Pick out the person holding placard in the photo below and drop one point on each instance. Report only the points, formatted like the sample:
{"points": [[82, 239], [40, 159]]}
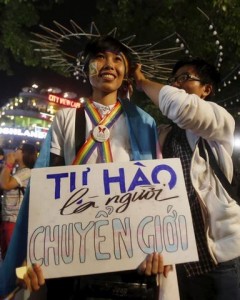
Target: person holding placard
{"points": [[197, 125], [105, 130]]}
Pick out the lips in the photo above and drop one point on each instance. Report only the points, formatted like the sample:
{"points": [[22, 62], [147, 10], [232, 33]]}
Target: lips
{"points": [[108, 76]]}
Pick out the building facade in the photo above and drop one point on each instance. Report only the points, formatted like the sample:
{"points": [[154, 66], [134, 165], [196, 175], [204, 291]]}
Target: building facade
{"points": [[28, 117]]}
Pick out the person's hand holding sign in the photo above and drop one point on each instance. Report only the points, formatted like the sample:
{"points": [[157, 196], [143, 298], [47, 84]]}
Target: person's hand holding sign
{"points": [[153, 265]]}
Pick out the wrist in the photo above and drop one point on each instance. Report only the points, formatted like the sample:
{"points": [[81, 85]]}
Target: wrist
{"points": [[9, 166], [140, 84]]}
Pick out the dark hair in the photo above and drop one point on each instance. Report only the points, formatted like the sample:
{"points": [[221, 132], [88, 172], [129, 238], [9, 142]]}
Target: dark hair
{"points": [[29, 155], [103, 44], [1, 151], [206, 71]]}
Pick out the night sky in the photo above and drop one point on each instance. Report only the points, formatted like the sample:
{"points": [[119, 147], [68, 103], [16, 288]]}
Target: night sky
{"points": [[25, 77], [11, 85]]}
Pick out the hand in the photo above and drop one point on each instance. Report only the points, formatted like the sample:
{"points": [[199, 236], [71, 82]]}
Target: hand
{"points": [[138, 76], [10, 158], [34, 278], [153, 265]]}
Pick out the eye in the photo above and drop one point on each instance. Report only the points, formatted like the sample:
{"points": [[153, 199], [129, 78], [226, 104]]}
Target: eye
{"points": [[99, 56], [118, 58], [182, 78], [171, 80]]}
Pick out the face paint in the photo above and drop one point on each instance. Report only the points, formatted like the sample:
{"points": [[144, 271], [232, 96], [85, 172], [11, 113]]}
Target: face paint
{"points": [[93, 68]]}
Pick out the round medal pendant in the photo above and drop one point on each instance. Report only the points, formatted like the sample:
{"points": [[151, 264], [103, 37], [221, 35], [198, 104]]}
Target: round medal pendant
{"points": [[101, 133]]}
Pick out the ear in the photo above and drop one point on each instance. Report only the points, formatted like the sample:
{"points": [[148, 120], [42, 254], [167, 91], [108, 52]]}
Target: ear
{"points": [[207, 90], [126, 90]]}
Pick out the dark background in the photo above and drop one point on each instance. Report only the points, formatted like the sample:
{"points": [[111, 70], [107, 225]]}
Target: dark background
{"points": [[82, 12]]}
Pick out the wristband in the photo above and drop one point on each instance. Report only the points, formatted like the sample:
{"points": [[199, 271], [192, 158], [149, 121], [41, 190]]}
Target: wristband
{"points": [[9, 166]]}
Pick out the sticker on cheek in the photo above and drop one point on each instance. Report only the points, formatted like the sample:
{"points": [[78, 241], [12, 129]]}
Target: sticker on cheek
{"points": [[93, 68]]}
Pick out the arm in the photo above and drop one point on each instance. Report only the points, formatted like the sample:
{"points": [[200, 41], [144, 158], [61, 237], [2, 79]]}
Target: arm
{"points": [[7, 181], [63, 137], [57, 141], [188, 111], [201, 117], [150, 88]]}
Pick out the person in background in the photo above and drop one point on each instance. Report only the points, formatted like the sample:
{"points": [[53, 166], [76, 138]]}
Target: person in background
{"points": [[185, 101], [14, 178], [1, 167], [1, 191], [1, 158]]}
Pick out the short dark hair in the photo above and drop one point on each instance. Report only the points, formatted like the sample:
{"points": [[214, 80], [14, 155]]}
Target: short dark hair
{"points": [[1, 151], [29, 155], [206, 71], [102, 44]]}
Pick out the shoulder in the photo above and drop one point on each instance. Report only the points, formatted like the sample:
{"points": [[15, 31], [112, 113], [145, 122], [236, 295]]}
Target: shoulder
{"points": [[22, 175], [65, 113], [64, 118]]}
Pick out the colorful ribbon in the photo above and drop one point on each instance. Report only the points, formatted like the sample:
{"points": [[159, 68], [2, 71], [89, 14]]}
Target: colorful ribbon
{"points": [[91, 144]]}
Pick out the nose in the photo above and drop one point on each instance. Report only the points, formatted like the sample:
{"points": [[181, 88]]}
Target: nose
{"points": [[108, 64]]}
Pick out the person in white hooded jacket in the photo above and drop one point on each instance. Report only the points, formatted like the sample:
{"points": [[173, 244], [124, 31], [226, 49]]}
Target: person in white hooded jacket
{"points": [[216, 217]]}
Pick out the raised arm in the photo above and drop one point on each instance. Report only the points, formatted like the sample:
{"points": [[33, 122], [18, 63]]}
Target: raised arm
{"points": [[150, 88], [7, 181]]}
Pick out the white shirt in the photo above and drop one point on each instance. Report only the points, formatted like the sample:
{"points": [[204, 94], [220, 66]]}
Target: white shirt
{"points": [[12, 199], [63, 135]]}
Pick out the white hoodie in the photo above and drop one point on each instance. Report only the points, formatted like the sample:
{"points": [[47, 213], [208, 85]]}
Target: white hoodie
{"points": [[201, 118]]}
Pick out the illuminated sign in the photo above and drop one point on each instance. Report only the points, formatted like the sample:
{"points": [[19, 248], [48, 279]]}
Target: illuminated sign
{"points": [[63, 101], [39, 134]]}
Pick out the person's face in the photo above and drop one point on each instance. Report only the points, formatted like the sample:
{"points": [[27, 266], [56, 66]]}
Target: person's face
{"points": [[107, 71], [18, 154], [193, 84]]}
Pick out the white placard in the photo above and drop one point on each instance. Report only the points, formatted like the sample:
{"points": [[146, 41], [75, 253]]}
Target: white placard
{"points": [[100, 218]]}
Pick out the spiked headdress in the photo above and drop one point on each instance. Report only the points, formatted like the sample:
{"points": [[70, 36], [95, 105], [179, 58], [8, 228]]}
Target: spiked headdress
{"points": [[64, 48]]}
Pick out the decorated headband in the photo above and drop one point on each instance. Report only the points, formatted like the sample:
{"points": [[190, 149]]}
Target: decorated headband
{"points": [[64, 47]]}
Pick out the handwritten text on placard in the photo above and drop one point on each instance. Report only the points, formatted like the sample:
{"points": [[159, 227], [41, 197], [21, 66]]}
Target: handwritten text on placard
{"points": [[108, 217]]}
